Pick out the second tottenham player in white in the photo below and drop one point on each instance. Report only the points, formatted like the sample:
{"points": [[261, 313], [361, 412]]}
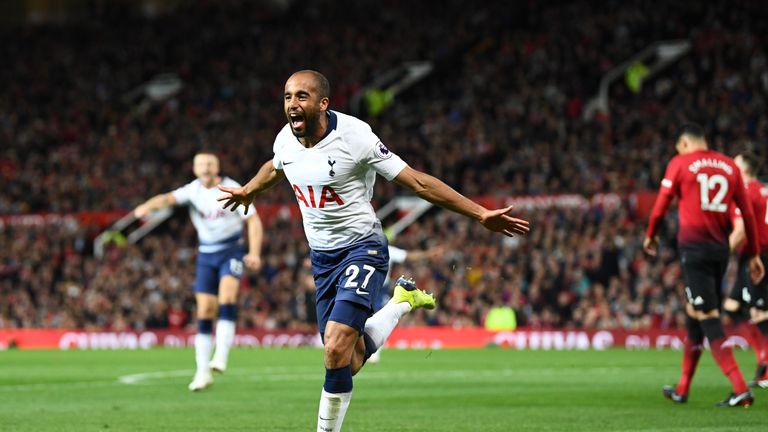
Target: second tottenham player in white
{"points": [[219, 263], [331, 161]]}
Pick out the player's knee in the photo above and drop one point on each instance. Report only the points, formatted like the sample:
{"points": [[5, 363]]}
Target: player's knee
{"points": [[336, 354], [731, 305], [207, 309], [228, 288], [703, 315]]}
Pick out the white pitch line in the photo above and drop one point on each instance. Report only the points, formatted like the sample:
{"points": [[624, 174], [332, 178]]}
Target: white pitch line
{"points": [[139, 377]]}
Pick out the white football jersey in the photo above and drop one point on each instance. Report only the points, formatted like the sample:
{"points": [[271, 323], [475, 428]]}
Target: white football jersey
{"points": [[217, 228], [333, 181]]}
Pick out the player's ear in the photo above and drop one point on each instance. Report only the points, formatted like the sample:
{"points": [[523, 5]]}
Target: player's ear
{"points": [[324, 102], [681, 145]]}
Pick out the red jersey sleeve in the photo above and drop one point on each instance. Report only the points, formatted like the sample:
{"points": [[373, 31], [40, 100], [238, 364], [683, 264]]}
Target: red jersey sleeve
{"points": [[750, 223], [735, 213], [670, 186]]}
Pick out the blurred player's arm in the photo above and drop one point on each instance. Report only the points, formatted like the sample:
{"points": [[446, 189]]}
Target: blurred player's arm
{"points": [[738, 235], [157, 202], [651, 241], [255, 237], [756, 269], [663, 200], [435, 191], [267, 177], [418, 255]]}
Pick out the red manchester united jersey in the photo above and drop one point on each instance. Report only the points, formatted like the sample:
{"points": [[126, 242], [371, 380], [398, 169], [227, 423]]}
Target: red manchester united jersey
{"points": [[757, 194], [706, 183]]}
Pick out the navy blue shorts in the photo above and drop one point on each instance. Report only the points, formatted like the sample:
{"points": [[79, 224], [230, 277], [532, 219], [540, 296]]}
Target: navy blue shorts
{"points": [[353, 275], [211, 267]]}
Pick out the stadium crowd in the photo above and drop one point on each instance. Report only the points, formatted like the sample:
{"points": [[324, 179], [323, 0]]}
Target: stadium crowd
{"points": [[500, 115]]}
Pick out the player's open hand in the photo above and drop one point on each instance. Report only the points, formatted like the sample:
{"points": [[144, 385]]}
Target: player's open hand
{"points": [[756, 269], [235, 197], [499, 221], [650, 245]]}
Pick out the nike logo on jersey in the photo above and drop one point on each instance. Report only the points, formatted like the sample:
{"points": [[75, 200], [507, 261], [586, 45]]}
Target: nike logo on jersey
{"points": [[361, 292], [287, 163]]}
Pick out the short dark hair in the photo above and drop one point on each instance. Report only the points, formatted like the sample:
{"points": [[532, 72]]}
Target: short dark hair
{"points": [[323, 86], [691, 129], [206, 151], [752, 161]]}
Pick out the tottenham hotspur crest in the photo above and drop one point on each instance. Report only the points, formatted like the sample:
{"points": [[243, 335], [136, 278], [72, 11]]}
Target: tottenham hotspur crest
{"points": [[331, 162]]}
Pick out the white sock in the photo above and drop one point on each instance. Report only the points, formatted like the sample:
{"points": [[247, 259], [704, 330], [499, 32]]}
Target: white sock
{"points": [[203, 349], [225, 336], [333, 408], [381, 324]]}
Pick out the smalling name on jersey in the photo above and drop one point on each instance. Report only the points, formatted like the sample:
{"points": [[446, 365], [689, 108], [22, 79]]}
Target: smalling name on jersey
{"points": [[710, 163]]}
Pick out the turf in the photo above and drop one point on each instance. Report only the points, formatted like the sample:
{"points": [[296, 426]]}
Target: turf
{"points": [[443, 390]]}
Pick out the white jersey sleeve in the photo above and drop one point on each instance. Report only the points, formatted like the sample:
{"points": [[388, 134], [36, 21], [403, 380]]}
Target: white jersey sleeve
{"points": [[183, 195], [369, 150], [397, 255]]}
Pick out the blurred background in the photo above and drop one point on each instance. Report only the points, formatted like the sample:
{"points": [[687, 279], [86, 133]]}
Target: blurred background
{"points": [[568, 108]]}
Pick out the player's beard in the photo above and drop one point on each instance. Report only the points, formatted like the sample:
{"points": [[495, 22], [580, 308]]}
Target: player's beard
{"points": [[311, 124]]}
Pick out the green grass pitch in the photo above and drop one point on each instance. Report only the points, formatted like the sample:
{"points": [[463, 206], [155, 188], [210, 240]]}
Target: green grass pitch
{"points": [[442, 390]]}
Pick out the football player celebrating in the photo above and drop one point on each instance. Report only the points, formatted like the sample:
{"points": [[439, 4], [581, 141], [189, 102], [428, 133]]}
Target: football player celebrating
{"points": [[331, 161]]}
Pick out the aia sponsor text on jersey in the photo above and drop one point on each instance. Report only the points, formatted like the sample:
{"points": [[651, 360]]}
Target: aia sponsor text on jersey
{"points": [[212, 215], [326, 196]]}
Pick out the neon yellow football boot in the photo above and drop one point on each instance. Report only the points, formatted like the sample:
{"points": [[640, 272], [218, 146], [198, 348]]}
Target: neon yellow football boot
{"points": [[406, 291]]}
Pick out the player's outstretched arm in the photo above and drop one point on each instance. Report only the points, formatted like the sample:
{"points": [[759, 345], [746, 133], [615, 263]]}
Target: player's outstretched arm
{"points": [[435, 191], [157, 202], [267, 177]]}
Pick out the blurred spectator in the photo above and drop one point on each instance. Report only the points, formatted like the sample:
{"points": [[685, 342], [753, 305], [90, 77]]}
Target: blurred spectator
{"points": [[500, 115]]}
